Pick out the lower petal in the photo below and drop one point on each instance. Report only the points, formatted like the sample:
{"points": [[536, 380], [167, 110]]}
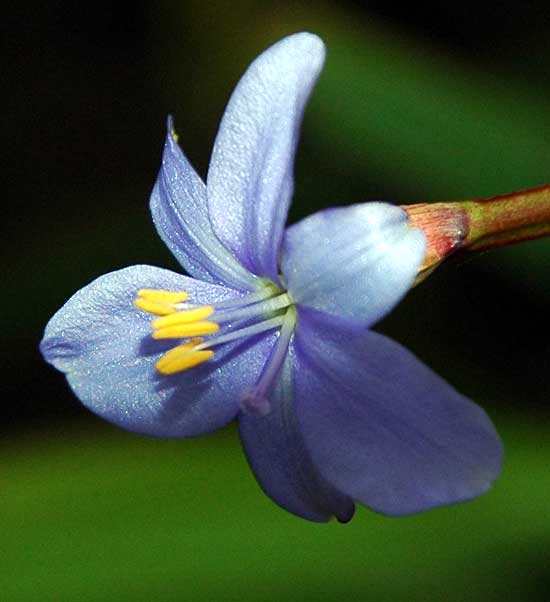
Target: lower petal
{"points": [[385, 429], [277, 454], [103, 345]]}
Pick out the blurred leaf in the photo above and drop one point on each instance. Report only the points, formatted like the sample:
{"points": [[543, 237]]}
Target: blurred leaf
{"points": [[104, 515], [457, 129]]}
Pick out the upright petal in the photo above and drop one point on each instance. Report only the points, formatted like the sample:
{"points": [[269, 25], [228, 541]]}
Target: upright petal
{"points": [[277, 454], [356, 261], [250, 180], [382, 427], [103, 344], [180, 214]]}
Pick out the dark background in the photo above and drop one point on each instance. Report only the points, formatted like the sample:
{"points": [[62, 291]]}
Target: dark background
{"points": [[430, 102]]}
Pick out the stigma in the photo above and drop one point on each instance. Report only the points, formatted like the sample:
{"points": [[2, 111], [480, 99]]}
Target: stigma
{"points": [[200, 328]]}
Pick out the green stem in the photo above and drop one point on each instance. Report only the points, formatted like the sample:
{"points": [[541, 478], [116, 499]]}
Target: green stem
{"points": [[507, 219]]}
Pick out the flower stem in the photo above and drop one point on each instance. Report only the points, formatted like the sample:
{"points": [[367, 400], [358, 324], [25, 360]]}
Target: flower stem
{"points": [[477, 224], [508, 218]]}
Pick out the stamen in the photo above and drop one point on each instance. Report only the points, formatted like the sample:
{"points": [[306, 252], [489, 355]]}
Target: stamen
{"points": [[264, 307], [163, 296], [254, 403], [154, 307], [182, 358], [260, 295], [183, 317], [243, 332], [256, 400], [159, 302], [182, 320], [180, 331]]}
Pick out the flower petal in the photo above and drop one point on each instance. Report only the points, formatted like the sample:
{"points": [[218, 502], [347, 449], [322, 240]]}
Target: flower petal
{"points": [[180, 214], [103, 344], [356, 261], [276, 452], [250, 179], [382, 427]]}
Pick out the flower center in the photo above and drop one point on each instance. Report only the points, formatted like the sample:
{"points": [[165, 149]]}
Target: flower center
{"points": [[200, 328]]}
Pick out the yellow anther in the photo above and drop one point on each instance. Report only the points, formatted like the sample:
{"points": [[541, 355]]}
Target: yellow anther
{"points": [[182, 358], [183, 317], [159, 302], [161, 296], [180, 331], [154, 307]]}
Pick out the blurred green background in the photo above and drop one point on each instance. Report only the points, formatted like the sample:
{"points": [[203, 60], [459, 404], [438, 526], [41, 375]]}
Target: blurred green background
{"points": [[430, 102]]}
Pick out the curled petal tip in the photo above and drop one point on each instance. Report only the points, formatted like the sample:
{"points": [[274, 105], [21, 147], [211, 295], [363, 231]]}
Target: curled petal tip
{"points": [[345, 517]]}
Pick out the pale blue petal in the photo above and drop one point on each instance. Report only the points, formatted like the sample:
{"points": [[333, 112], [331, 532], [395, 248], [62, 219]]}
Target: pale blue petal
{"points": [[250, 180], [180, 214], [276, 453], [382, 427], [356, 261], [103, 344]]}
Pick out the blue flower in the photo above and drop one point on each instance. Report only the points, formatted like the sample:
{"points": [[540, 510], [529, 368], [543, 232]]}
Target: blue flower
{"points": [[272, 326]]}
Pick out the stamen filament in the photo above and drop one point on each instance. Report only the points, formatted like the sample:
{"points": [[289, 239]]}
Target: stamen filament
{"points": [[264, 307], [256, 400], [279, 353], [242, 332], [260, 295], [180, 331]]}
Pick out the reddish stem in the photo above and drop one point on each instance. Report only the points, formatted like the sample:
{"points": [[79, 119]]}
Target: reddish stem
{"points": [[477, 224]]}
